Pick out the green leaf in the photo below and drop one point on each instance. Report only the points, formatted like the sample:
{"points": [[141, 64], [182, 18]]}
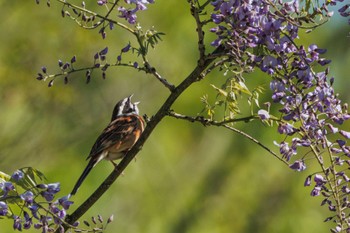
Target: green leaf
{"points": [[220, 91], [4, 177]]}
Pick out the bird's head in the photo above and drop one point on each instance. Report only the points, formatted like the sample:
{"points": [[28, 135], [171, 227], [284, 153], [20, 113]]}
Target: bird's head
{"points": [[125, 107]]}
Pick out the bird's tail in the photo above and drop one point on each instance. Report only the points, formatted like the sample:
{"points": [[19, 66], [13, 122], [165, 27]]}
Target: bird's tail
{"points": [[86, 171]]}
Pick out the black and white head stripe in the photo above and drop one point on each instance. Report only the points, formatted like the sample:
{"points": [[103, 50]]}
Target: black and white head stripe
{"points": [[125, 107]]}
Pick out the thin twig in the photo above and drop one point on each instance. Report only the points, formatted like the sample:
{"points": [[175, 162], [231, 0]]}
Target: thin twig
{"points": [[208, 122], [105, 18], [200, 32], [225, 123], [256, 142], [152, 70]]}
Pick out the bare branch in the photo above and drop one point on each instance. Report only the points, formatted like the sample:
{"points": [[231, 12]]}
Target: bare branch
{"points": [[208, 122], [152, 70], [200, 32]]}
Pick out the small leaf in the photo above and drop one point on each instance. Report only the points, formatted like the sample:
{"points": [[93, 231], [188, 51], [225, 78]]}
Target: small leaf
{"points": [[86, 223], [41, 186], [105, 67], [126, 48], [242, 87], [40, 76], [75, 11], [221, 92], [50, 83], [76, 224], [74, 59], [93, 219], [60, 63], [100, 219], [88, 76], [110, 219], [111, 25], [4, 176], [104, 51], [66, 65]]}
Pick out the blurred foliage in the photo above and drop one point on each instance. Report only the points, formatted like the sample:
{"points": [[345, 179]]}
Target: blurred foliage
{"points": [[187, 178]]}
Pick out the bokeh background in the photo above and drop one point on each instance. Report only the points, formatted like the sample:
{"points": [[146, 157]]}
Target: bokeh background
{"points": [[187, 178]]}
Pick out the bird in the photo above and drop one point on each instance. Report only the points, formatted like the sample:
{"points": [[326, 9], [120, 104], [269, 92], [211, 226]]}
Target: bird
{"points": [[117, 138]]}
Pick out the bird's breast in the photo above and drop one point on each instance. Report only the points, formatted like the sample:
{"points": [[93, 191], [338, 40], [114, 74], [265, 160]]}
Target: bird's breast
{"points": [[114, 155]]}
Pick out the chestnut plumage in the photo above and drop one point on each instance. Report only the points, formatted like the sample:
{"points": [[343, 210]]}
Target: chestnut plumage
{"points": [[117, 138]]}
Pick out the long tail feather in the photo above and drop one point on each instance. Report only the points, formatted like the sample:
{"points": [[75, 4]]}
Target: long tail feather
{"points": [[86, 171]]}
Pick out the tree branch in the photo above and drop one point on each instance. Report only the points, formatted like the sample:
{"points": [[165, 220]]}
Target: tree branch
{"points": [[199, 29], [150, 69], [153, 122], [208, 122]]}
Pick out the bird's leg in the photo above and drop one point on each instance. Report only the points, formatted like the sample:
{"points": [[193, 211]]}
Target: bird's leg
{"points": [[116, 166], [114, 163]]}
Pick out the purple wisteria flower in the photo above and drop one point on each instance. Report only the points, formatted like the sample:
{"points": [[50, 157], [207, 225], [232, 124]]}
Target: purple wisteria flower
{"points": [[3, 208], [34, 210], [286, 128], [6, 188], [316, 191], [307, 181], [59, 213], [27, 220], [319, 180], [54, 188], [17, 175], [279, 90], [298, 165], [19, 202], [17, 224], [263, 114], [129, 14], [28, 197], [65, 202], [126, 48], [261, 34], [51, 190], [102, 2], [270, 64]]}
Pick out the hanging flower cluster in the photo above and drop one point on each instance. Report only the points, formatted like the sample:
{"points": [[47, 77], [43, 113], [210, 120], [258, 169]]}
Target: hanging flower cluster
{"points": [[262, 34]]}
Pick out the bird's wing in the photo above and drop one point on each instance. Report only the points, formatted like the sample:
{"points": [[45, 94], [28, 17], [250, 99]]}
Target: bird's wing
{"points": [[115, 132]]}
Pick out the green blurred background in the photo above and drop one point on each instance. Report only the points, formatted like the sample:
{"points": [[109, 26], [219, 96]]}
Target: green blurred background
{"points": [[187, 178]]}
